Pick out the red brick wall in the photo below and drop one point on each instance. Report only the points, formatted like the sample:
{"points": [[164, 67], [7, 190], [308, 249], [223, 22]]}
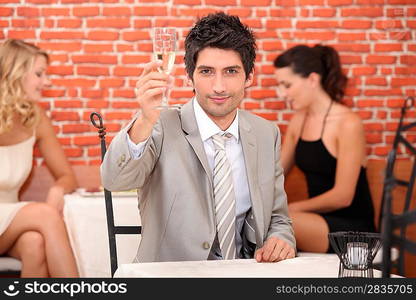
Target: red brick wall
{"points": [[98, 48]]}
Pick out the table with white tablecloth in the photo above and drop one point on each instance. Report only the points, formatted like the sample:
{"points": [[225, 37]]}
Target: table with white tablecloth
{"points": [[86, 223], [306, 265]]}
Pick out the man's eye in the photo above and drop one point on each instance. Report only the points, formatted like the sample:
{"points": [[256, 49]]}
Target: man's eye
{"points": [[205, 71], [38, 74], [232, 71]]}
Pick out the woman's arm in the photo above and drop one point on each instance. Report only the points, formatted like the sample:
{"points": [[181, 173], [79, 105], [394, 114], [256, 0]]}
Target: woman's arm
{"points": [[56, 162], [350, 156], [289, 144]]}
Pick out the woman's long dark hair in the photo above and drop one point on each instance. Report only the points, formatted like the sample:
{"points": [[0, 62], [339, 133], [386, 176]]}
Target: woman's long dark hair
{"points": [[323, 60]]}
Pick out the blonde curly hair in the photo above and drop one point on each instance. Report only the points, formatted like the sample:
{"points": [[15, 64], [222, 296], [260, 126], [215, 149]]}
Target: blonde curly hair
{"points": [[16, 59]]}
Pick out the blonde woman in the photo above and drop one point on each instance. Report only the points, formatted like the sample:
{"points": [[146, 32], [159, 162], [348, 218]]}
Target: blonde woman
{"points": [[34, 232]]}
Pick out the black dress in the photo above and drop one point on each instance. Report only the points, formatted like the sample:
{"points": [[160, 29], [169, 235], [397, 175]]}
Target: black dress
{"points": [[319, 167]]}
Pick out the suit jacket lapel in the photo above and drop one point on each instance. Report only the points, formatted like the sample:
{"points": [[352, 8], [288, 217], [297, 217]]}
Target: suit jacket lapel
{"points": [[190, 128], [249, 144]]}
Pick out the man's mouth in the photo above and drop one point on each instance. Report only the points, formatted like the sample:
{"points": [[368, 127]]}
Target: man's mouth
{"points": [[220, 99]]}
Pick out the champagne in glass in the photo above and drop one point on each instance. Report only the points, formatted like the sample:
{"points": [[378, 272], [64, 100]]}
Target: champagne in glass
{"points": [[168, 60], [164, 49]]}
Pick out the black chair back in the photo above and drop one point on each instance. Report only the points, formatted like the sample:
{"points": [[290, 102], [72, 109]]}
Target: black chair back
{"points": [[395, 225], [112, 229]]}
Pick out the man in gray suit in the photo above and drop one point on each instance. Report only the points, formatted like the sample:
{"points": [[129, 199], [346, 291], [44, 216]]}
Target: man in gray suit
{"points": [[209, 176]]}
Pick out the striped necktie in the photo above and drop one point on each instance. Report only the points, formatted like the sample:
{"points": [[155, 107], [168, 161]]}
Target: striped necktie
{"points": [[224, 198]]}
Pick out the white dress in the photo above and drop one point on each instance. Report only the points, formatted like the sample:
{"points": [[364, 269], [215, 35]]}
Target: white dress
{"points": [[15, 166]]}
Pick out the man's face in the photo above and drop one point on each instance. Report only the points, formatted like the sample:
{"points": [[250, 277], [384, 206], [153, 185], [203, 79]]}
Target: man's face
{"points": [[219, 82]]}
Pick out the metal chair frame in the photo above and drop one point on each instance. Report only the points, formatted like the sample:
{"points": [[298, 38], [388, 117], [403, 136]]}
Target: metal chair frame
{"points": [[392, 222], [112, 229]]}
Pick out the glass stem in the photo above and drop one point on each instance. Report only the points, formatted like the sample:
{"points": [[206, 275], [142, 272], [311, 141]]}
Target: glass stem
{"points": [[165, 97]]}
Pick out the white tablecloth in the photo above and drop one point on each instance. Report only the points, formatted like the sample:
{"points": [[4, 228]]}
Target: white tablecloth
{"points": [[307, 265], [86, 222]]}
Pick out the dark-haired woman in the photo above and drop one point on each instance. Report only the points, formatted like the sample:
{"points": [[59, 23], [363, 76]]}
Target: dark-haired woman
{"points": [[325, 139]]}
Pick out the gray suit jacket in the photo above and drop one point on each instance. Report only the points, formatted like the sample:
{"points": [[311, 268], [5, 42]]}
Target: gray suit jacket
{"points": [[175, 185]]}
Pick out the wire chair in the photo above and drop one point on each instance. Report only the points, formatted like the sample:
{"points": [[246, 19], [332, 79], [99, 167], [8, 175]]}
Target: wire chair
{"points": [[394, 226], [112, 229]]}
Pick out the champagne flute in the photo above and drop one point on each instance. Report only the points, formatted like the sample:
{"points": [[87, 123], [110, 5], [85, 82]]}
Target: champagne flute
{"points": [[164, 49]]}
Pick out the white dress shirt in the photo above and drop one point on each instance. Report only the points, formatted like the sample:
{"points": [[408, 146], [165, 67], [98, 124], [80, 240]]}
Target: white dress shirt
{"points": [[234, 151]]}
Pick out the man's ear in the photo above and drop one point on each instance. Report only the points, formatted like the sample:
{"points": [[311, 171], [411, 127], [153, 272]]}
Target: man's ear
{"points": [[189, 81], [314, 79], [249, 80]]}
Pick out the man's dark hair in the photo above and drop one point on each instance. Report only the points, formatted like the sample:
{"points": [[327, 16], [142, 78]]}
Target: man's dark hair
{"points": [[222, 31]]}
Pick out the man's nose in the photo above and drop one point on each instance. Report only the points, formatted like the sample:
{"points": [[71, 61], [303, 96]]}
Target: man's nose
{"points": [[219, 84]]}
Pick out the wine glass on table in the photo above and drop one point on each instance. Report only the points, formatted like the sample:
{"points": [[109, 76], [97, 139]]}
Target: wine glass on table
{"points": [[164, 49]]}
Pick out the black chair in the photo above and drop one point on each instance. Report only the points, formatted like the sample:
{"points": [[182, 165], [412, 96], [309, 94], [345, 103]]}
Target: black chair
{"points": [[112, 229], [395, 225]]}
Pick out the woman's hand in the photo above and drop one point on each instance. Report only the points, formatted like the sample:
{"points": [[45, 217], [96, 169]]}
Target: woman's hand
{"points": [[295, 207], [55, 198]]}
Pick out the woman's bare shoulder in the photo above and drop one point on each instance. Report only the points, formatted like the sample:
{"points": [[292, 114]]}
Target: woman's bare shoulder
{"points": [[347, 118]]}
